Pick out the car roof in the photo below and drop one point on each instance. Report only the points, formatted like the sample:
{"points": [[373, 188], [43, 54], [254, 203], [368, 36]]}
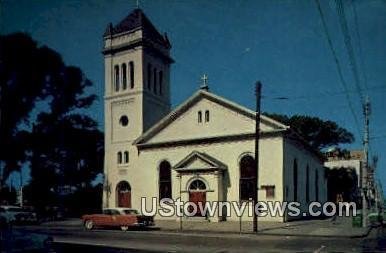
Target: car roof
{"points": [[7, 207]]}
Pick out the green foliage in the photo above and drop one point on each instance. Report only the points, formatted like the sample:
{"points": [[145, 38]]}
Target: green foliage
{"points": [[24, 71], [317, 132], [63, 145], [7, 195], [342, 181]]}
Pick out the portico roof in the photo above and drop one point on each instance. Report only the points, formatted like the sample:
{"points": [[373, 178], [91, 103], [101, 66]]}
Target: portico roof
{"points": [[198, 161]]}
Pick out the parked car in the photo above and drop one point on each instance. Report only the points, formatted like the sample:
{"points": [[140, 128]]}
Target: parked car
{"points": [[117, 217], [16, 214]]}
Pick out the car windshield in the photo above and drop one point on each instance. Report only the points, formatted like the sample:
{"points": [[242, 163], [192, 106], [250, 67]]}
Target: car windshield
{"points": [[129, 211]]}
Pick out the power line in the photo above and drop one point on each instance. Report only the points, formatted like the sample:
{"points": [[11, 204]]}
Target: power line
{"points": [[337, 63], [361, 58], [324, 94], [378, 137], [350, 51]]}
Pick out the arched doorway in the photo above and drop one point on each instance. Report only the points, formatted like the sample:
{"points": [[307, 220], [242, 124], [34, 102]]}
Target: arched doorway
{"points": [[197, 194], [123, 193]]}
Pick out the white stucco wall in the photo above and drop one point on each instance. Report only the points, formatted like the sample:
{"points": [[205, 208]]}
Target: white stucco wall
{"points": [[295, 150], [142, 173]]}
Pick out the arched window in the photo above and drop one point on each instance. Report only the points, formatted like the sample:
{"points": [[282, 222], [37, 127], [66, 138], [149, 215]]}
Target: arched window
{"points": [[131, 66], [124, 120], [165, 180], [199, 115], [161, 79], [206, 116], [155, 80], [307, 184], [197, 185], [126, 156], [116, 78], [295, 180], [247, 178], [119, 158], [149, 76], [124, 76]]}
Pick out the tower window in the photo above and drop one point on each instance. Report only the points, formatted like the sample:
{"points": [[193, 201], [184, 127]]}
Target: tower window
{"points": [[126, 156], [199, 117], [131, 66], [124, 120], [124, 76], [155, 80], [119, 157], [149, 76], [116, 78], [161, 77], [206, 116]]}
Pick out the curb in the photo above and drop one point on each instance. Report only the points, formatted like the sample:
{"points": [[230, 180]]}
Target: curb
{"points": [[363, 235], [249, 234]]}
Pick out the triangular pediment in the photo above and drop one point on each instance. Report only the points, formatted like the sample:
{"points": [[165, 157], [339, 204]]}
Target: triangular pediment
{"points": [[199, 161], [225, 119]]}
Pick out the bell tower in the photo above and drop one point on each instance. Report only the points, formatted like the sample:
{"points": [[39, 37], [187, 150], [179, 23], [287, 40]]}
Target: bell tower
{"points": [[137, 86], [137, 75]]}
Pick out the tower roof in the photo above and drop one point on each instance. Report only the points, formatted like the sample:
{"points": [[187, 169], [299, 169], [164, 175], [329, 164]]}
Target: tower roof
{"points": [[138, 20]]}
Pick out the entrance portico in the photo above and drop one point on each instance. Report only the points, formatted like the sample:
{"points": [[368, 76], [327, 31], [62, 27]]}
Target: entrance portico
{"points": [[201, 180]]}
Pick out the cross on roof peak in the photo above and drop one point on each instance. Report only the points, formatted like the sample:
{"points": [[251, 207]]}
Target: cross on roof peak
{"points": [[204, 84]]}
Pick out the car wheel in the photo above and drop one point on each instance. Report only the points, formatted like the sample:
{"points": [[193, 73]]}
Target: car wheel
{"points": [[124, 228], [89, 224]]}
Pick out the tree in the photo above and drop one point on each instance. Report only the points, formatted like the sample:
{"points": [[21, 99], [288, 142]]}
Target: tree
{"points": [[342, 181], [25, 71], [317, 132], [63, 146]]}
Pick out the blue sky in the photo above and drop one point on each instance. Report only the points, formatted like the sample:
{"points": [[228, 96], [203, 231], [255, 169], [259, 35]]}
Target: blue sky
{"points": [[281, 43]]}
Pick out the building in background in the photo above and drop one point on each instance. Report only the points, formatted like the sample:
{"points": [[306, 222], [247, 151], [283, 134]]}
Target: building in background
{"points": [[344, 174]]}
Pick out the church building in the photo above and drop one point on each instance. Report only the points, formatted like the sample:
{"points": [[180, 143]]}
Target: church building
{"points": [[202, 150]]}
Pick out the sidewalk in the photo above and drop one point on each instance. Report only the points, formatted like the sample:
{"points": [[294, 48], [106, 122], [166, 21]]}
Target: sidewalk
{"points": [[340, 227]]}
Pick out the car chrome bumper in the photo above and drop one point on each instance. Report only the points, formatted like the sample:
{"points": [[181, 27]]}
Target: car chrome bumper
{"points": [[144, 224]]}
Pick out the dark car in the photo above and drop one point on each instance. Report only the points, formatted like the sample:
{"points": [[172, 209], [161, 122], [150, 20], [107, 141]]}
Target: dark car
{"points": [[18, 215]]}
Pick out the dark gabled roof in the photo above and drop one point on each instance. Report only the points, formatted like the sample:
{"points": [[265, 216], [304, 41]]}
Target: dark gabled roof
{"points": [[138, 20]]}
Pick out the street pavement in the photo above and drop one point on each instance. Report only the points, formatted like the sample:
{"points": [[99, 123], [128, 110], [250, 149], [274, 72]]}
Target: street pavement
{"points": [[73, 238], [331, 227]]}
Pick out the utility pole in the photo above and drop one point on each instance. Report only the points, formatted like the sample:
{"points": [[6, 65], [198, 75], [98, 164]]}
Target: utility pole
{"points": [[1, 165], [21, 187], [374, 184], [365, 189], [257, 137]]}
